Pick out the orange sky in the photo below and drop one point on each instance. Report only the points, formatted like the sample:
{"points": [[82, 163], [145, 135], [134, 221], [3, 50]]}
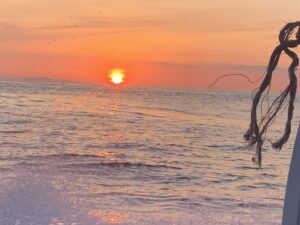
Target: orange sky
{"points": [[166, 43]]}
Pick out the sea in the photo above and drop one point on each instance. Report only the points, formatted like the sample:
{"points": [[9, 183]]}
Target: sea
{"points": [[81, 154]]}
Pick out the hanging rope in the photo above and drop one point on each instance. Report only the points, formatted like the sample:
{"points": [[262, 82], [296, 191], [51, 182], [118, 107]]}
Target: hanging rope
{"points": [[289, 37]]}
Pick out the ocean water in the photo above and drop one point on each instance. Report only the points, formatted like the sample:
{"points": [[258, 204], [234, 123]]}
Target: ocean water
{"points": [[73, 154]]}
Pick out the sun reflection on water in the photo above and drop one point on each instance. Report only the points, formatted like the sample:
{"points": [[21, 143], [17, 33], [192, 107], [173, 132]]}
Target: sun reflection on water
{"points": [[110, 155], [108, 217]]}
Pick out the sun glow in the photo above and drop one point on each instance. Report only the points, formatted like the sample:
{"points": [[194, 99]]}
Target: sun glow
{"points": [[117, 76]]}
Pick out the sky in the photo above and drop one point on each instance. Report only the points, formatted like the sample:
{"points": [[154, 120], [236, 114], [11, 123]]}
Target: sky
{"points": [[158, 43]]}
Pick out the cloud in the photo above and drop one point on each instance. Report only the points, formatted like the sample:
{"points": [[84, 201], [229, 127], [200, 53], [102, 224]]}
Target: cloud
{"points": [[201, 75], [103, 23], [11, 32]]}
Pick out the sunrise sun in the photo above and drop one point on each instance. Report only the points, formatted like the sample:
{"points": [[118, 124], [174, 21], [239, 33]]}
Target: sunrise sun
{"points": [[117, 76]]}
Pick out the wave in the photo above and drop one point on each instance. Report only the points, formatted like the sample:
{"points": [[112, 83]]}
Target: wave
{"points": [[117, 145], [16, 122], [71, 156], [13, 131], [118, 165]]}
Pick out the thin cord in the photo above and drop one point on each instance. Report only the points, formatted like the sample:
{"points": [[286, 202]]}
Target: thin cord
{"points": [[236, 74]]}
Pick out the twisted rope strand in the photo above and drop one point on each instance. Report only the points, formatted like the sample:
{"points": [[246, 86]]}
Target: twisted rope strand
{"points": [[255, 135]]}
